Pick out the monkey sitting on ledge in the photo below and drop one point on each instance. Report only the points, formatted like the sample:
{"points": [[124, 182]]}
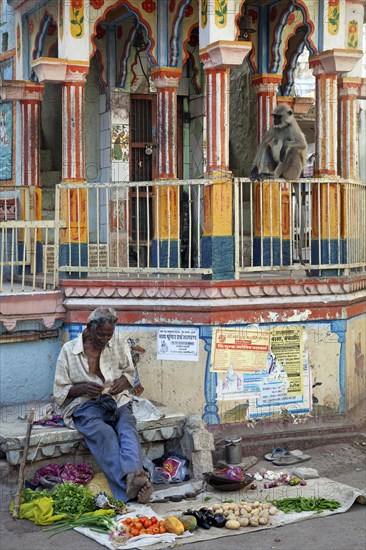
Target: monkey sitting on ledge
{"points": [[282, 152]]}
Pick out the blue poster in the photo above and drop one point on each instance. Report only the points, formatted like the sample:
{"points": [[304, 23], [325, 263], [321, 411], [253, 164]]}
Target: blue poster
{"points": [[6, 141]]}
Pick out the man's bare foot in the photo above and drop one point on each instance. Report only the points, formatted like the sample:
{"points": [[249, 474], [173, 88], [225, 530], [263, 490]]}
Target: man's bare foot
{"points": [[135, 481], [143, 496]]}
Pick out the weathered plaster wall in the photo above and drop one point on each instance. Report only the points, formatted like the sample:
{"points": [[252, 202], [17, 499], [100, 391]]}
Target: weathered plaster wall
{"points": [[356, 361], [27, 370], [92, 123]]}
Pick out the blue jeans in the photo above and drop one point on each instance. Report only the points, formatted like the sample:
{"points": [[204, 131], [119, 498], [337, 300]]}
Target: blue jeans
{"points": [[116, 448]]}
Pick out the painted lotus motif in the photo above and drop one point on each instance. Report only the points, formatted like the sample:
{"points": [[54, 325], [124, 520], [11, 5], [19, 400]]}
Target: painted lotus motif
{"points": [[77, 18]]}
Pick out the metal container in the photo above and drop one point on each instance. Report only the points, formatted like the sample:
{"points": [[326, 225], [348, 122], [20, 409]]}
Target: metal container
{"points": [[233, 450]]}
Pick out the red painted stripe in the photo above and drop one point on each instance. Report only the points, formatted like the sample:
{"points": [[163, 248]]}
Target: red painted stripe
{"points": [[68, 130], [222, 114], [78, 131]]}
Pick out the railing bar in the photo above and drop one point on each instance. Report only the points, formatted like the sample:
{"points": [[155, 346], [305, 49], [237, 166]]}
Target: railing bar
{"points": [[138, 225], [78, 210], [157, 227], [329, 221], [127, 210], [88, 215], [236, 230], [251, 184], [12, 259], [240, 197], [117, 228], [319, 225], [271, 223], [2, 258], [189, 226], [281, 232], [108, 224], [98, 228], [45, 257], [69, 223], [148, 226], [169, 227], [24, 256], [291, 225], [56, 238], [199, 227], [34, 257], [309, 225], [261, 218], [338, 221], [177, 190]]}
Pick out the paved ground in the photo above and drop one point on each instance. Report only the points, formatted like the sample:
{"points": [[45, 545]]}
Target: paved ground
{"points": [[345, 463]]}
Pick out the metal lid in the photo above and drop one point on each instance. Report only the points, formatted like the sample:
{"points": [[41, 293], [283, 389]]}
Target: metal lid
{"points": [[233, 441]]}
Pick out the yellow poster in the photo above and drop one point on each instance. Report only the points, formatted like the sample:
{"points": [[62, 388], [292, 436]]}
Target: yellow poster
{"points": [[241, 349], [286, 347]]}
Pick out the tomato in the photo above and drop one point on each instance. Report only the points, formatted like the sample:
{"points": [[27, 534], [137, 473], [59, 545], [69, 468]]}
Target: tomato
{"points": [[162, 529], [143, 519], [155, 529], [154, 519], [147, 523], [128, 521], [149, 531], [138, 525], [134, 532]]}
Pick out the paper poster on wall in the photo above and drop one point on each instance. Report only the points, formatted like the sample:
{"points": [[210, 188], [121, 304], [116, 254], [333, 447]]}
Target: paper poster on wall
{"points": [[177, 344], [242, 349], [286, 384]]}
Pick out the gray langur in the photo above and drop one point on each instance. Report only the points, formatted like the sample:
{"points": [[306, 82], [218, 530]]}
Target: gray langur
{"points": [[282, 152]]}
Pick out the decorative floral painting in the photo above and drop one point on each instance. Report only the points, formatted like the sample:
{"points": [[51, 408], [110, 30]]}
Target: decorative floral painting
{"points": [[333, 16], [6, 141], [77, 18], [220, 13], [120, 143], [353, 34]]}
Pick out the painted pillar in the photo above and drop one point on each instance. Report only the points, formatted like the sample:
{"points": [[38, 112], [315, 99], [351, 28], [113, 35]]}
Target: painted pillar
{"points": [[348, 91], [31, 157], [328, 243], [165, 245], [218, 241], [73, 239], [266, 86], [271, 241]]}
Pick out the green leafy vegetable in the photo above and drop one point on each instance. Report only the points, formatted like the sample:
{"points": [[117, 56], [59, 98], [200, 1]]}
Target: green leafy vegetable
{"points": [[68, 498]]}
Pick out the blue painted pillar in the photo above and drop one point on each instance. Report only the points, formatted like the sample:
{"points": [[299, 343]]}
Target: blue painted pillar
{"points": [[340, 328], [210, 412]]}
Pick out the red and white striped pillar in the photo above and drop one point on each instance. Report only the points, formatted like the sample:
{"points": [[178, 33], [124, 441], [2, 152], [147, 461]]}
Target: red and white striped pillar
{"points": [[348, 91], [217, 118], [166, 81], [326, 120], [31, 141], [266, 86], [165, 251], [73, 145]]}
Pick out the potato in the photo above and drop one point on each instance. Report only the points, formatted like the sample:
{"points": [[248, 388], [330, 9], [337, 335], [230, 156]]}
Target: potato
{"points": [[232, 524], [244, 522], [216, 506], [263, 521], [253, 522], [272, 511]]}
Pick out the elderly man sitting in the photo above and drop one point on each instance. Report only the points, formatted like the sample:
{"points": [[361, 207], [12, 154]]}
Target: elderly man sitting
{"points": [[93, 376]]}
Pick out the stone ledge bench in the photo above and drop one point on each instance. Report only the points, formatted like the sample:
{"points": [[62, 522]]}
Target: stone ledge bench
{"points": [[48, 443]]}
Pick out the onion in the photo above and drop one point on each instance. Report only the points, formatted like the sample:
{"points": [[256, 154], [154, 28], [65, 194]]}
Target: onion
{"points": [[267, 485], [253, 486], [262, 472], [235, 474], [303, 482]]}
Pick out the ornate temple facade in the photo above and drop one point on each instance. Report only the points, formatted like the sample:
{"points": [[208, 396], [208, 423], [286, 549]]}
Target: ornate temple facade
{"points": [[127, 133]]}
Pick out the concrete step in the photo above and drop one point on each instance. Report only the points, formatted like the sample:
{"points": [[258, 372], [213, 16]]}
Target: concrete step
{"points": [[49, 178], [46, 160]]}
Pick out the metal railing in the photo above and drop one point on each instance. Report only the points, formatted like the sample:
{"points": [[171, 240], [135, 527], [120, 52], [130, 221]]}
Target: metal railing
{"points": [[317, 225], [26, 244], [141, 228]]}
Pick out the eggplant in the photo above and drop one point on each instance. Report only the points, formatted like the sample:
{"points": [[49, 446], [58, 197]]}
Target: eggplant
{"points": [[219, 520], [200, 517]]}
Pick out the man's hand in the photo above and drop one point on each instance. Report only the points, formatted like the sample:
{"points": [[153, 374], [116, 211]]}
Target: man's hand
{"points": [[119, 385], [88, 388]]}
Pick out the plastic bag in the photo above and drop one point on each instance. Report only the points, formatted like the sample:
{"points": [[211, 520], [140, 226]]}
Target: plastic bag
{"points": [[175, 465], [157, 475]]}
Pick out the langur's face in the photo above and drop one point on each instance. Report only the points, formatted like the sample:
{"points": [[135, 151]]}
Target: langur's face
{"points": [[277, 120]]}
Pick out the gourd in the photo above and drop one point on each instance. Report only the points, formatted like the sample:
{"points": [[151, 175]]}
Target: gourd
{"points": [[174, 525], [189, 522]]}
